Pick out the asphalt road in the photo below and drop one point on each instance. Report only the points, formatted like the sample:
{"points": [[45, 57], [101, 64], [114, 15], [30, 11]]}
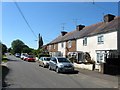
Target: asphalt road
{"points": [[24, 74]]}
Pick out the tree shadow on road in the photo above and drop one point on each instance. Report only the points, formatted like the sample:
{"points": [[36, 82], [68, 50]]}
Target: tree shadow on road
{"points": [[5, 71], [14, 60]]}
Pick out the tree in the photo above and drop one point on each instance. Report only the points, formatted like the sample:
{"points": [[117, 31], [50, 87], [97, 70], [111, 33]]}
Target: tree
{"points": [[9, 49], [40, 41], [35, 52], [4, 48], [26, 49], [17, 46]]}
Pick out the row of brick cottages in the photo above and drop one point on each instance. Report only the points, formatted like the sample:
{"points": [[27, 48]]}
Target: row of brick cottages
{"points": [[96, 40]]}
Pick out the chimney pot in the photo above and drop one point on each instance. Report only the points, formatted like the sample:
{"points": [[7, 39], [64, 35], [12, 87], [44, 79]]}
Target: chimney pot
{"points": [[79, 27], [108, 17], [63, 33]]}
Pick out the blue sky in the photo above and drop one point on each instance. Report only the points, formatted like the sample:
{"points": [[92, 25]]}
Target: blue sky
{"points": [[46, 18]]}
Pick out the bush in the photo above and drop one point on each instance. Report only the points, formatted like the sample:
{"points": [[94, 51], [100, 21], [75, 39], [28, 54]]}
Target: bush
{"points": [[72, 59], [43, 55], [4, 58]]}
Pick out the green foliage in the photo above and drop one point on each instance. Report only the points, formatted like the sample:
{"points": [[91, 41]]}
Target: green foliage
{"points": [[35, 52], [88, 58], [26, 49], [73, 59], [9, 49], [4, 48], [4, 58], [40, 52], [17, 46]]}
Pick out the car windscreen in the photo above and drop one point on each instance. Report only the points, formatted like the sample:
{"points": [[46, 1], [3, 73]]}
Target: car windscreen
{"points": [[47, 59], [30, 56], [17, 54], [62, 60]]}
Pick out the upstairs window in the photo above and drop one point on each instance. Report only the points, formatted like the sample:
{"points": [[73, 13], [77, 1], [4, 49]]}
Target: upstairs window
{"points": [[54, 46], [49, 47], [62, 45], [100, 39], [85, 41], [69, 44]]}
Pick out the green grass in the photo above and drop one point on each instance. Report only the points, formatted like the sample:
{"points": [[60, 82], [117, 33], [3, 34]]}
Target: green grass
{"points": [[4, 58]]}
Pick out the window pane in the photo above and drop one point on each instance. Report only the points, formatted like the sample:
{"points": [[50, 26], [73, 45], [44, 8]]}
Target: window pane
{"points": [[98, 57], [101, 56], [85, 41], [69, 44], [100, 39], [62, 45]]}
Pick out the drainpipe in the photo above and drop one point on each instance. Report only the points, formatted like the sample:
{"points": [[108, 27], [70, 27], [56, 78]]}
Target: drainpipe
{"points": [[118, 41], [118, 32]]}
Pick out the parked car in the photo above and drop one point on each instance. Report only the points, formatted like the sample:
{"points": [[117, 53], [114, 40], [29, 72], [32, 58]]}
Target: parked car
{"points": [[17, 55], [44, 61], [23, 56], [60, 64], [29, 58]]}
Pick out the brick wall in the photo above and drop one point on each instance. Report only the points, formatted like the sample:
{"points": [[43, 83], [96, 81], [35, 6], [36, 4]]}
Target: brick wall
{"points": [[72, 48], [53, 48]]}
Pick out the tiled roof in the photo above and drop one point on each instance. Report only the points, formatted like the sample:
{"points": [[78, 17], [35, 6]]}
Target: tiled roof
{"points": [[99, 28]]}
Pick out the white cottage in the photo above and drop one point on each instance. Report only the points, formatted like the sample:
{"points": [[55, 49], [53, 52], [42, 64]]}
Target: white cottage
{"points": [[99, 40]]}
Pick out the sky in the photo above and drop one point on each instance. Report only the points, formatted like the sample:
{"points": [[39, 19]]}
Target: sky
{"points": [[48, 18]]}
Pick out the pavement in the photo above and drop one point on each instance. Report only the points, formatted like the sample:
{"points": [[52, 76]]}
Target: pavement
{"points": [[4, 64], [98, 74]]}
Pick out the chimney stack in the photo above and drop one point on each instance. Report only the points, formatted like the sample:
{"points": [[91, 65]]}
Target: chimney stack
{"points": [[108, 17], [79, 27], [63, 33]]}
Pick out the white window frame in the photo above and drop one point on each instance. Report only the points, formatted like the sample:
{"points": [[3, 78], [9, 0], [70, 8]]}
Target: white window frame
{"points": [[49, 47], [62, 45], [54, 46], [69, 44], [85, 41], [100, 39], [100, 57]]}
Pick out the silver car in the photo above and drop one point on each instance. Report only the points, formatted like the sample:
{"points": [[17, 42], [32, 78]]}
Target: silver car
{"points": [[17, 55], [44, 61], [60, 64]]}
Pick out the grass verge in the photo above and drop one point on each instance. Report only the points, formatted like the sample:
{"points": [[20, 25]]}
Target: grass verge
{"points": [[4, 58]]}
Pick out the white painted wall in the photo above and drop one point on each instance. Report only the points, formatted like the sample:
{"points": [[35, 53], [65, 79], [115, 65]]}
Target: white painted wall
{"points": [[84, 66], [62, 49], [110, 43]]}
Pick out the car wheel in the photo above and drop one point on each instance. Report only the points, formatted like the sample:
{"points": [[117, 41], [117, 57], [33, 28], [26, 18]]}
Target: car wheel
{"points": [[57, 70], [49, 68], [43, 66]]}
